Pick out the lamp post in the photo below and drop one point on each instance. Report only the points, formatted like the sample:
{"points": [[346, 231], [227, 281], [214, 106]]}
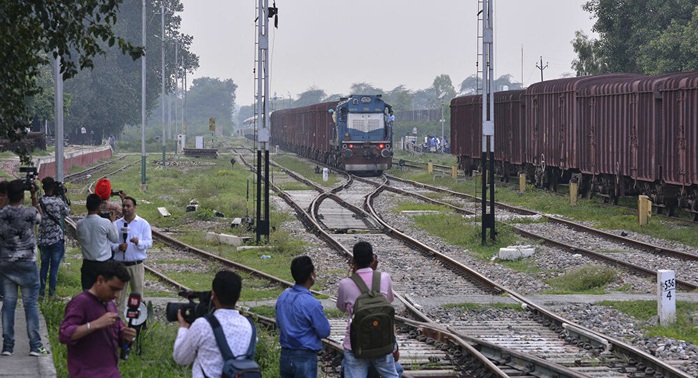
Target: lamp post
{"points": [[162, 78], [143, 100]]}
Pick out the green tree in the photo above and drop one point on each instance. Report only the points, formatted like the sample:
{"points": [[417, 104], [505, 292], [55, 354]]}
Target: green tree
{"points": [[400, 98], [109, 97], [627, 27], [675, 50], [209, 97], [34, 31], [312, 96], [588, 61], [365, 89]]}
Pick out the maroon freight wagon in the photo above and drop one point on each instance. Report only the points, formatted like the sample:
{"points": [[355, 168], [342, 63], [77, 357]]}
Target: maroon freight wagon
{"points": [[509, 125]]}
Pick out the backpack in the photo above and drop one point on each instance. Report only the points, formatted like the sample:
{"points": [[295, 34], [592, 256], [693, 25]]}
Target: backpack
{"points": [[372, 331], [232, 367]]}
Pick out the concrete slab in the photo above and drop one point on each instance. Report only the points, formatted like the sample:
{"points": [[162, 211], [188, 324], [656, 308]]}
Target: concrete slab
{"points": [[21, 364]]}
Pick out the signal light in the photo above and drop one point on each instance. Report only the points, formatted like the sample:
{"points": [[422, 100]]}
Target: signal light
{"points": [[351, 146], [381, 146]]}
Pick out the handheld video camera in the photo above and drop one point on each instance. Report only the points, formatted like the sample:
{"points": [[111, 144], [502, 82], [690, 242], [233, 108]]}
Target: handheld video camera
{"points": [[192, 310], [30, 176], [60, 191]]}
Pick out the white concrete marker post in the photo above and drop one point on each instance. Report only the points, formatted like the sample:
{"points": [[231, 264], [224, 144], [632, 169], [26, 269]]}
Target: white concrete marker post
{"points": [[666, 301], [325, 174]]}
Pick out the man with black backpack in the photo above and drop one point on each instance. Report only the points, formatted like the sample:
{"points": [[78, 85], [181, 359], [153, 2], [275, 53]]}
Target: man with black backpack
{"points": [[197, 342], [366, 296]]}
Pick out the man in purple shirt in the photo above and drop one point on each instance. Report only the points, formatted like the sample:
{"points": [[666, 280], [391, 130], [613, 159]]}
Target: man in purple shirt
{"points": [[364, 263], [92, 329]]}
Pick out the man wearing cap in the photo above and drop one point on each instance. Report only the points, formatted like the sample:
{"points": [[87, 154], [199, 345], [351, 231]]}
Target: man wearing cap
{"points": [[50, 241], [103, 190], [135, 238], [95, 234]]}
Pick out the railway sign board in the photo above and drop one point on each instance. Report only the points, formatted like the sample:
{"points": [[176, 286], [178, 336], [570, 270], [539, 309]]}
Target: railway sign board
{"points": [[666, 301]]}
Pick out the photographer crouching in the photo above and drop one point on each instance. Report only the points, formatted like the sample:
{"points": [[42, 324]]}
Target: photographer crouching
{"points": [[92, 329], [196, 342]]}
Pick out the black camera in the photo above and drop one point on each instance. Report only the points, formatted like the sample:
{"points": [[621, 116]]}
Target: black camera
{"points": [[105, 215], [60, 191], [30, 176], [192, 310]]}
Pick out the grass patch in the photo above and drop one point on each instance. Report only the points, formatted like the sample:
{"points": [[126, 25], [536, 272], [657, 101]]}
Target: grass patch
{"points": [[683, 329], [602, 215], [466, 233], [306, 169], [587, 279]]}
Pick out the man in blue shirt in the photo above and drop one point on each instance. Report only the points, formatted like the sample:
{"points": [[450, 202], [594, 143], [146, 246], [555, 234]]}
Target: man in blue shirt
{"points": [[302, 323]]}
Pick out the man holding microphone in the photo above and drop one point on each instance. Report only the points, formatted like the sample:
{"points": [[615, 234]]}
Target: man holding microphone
{"points": [[135, 237]]}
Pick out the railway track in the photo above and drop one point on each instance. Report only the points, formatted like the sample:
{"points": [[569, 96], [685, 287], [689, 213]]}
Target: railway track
{"points": [[597, 346], [459, 354], [619, 251]]}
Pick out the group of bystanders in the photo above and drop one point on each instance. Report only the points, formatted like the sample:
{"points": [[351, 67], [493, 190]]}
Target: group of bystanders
{"points": [[113, 251]]}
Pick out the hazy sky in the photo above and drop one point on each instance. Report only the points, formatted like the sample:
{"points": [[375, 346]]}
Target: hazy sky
{"points": [[331, 44]]}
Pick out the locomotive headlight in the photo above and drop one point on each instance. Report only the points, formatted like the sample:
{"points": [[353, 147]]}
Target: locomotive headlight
{"points": [[381, 146], [387, 145], [344, 146]]}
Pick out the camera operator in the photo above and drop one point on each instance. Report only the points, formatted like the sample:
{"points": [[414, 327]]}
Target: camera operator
{"points": [[95, 234], [104, 191], [197, 343], [51, 240], [91, 328], [18, 269]]}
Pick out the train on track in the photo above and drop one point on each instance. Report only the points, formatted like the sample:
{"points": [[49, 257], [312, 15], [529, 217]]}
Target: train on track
{"points": [[613, 134], [354, 134]]}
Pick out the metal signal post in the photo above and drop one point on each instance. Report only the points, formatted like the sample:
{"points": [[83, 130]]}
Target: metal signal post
{"points": [[488, 119], [263, 134]]}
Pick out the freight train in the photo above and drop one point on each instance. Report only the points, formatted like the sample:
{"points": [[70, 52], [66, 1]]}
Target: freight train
{"points": [[614, 134], [354, 134]]}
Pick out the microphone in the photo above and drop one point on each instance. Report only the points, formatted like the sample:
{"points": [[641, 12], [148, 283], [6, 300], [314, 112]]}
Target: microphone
{"points": [[132, 312], [124, 234]]}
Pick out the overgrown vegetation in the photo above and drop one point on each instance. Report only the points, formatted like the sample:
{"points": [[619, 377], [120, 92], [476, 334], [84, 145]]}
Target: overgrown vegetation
{"points": [[686, 316], [589, 279]]}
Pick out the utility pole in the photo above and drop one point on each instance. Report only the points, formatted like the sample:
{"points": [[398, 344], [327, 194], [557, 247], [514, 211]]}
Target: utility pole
{"points": [[541, 67], [143, 102], [58, 109], [487, 118], [162, 78]]}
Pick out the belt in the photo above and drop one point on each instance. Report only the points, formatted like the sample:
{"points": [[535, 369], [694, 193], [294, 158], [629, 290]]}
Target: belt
{"points": [[132, 263]]}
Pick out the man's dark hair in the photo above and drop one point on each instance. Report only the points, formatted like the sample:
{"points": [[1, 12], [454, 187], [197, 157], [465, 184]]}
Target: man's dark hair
{"points": [[132, 200], [93, 202], [49, 184], [363, 254], [15, 191], [301, 268], [227, 286], [3, 187], [111, 269]]}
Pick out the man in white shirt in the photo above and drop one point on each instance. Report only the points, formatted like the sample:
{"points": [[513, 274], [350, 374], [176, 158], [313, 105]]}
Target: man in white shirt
{"points": [[94, 234], [196, 342], [135, 237]]}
